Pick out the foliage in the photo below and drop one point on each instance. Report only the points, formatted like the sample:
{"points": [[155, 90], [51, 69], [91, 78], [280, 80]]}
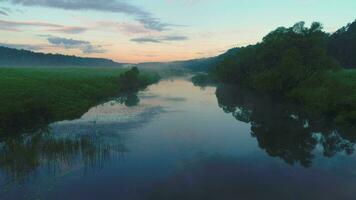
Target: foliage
{"points": [[130, 79], [295, 62], [285, 58], [343, 45], [331, 94]]}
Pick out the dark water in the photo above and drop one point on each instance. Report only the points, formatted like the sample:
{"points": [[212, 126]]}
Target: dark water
{"points": [[178, 141]]}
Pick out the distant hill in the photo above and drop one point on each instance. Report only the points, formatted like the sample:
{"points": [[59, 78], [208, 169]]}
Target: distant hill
{"points": [[23, 58], [194, 65], [205, 64]]}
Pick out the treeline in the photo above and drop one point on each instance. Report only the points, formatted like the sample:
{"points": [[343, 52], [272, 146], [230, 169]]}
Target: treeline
{"points": [[342, 45], [283, 59], [22, 58], [290, 61]]}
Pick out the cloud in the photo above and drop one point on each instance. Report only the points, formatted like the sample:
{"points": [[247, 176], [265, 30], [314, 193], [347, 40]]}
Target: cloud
{"points": [[23, 46], [19, 25], [175, 38], [114, 6], [70, 30], [145, 40], [68, 43], [129, 28], [109, 5], [84, 46], [154, 24], [159, 39], [89, 49], [3, 12], [16, 25]]}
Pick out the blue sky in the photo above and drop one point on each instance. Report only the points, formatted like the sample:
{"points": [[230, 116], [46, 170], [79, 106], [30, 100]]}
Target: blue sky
{"points": [[156, 30]]}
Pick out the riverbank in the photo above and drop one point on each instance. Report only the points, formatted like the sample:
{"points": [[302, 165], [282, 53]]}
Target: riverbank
{"points": [[31, 97], [297, 63], [329, 94]]}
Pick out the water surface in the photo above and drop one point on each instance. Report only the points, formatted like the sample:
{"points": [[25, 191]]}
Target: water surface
{"points": [[178, 141]]}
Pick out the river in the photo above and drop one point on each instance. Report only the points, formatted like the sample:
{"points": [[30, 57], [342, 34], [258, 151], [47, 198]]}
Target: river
{"points": [[175, 140]]}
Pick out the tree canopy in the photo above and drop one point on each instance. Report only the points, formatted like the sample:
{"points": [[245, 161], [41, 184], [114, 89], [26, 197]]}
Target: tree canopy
{"points": [[284, 58], [343, 45]]}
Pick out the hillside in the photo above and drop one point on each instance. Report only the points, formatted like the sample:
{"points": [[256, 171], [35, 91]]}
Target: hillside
{"points": [[23, 58], [194, 65]]}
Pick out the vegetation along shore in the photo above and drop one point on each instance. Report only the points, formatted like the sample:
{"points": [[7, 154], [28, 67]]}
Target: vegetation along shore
{"points": [[38, 96], [305, 64]]}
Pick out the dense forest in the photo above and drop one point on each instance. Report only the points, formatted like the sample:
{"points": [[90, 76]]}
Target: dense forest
{"points": [[302, 63], [22, 58]]}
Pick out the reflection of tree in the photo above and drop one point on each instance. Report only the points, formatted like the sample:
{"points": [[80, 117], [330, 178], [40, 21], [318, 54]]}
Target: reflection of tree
{"points": [[21, 156], [129, 99], [34, 116], [282, 129]]}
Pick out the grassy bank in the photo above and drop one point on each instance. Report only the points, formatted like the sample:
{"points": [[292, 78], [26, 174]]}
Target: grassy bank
{"points": [[39, 96]]}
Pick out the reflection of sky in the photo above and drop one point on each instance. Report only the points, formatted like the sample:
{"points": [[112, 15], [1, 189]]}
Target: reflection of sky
{"points": [[181, 141], [195, 28]]}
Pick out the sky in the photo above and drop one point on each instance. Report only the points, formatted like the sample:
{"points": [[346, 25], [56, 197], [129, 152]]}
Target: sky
{"points": [[133, 31]]}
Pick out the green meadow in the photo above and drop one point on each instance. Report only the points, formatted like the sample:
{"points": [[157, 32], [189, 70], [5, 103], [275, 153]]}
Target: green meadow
{"points": [[31, 96]]}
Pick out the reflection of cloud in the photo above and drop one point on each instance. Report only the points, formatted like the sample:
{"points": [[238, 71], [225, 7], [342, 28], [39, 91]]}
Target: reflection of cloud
{"points": [[114, 6], [109, 127], [163, 98]]}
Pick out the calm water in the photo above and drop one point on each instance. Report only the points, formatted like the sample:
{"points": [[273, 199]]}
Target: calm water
{"points": [[178, 141]]}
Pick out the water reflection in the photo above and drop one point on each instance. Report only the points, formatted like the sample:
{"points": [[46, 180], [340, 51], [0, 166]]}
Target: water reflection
{"points": [[228, 177], [83, 144], [129, 99], [21, 157], [283, 129], [173, 141]]}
